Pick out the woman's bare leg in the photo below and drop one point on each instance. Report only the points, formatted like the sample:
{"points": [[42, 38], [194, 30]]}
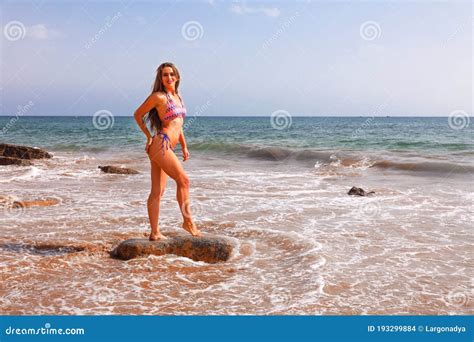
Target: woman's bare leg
{"points": [[169, 163], [158, 184]]}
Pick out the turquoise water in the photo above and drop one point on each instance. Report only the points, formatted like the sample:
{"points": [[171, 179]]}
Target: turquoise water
{"points": [[434, 144], [428, 135]]}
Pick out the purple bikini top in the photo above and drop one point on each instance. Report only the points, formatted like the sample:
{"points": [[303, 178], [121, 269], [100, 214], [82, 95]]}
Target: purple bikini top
{"points": [[174, 111]]}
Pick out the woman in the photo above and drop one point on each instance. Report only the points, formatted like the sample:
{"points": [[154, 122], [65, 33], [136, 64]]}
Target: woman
{"points": [[165, 111]]}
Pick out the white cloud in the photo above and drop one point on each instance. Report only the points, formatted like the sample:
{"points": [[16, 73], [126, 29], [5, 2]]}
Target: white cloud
{"points": [[236, 9], [41, 32], [243, 9]]}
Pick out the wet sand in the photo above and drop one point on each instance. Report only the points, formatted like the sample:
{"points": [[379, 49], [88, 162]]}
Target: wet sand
{"points": [[303, 245]]}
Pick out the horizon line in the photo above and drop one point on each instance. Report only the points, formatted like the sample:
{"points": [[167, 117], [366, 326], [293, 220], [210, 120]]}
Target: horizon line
{"points": [[254, 116]]}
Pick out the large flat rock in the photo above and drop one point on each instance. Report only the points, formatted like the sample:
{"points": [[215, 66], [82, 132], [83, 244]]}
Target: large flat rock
{"points": [[13, 202], [211, 249]]}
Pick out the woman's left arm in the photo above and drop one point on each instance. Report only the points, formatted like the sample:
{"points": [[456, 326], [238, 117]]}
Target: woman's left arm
{"points": [[182, 142]]}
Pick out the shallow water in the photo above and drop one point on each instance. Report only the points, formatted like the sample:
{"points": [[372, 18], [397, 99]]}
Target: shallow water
{"points": [[303, 246]]}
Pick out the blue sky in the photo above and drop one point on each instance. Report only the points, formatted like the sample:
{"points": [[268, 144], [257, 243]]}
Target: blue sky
{"points": [[239, 58]]}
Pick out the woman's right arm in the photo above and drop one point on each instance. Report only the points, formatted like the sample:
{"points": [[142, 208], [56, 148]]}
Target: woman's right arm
{"points": [[150, 103]]}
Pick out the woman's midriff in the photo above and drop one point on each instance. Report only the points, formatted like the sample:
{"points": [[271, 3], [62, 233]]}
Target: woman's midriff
{"points": [[172, 133]]}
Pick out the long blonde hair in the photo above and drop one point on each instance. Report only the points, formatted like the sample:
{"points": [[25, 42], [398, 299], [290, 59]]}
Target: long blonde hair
{"points": [[152, 117]]}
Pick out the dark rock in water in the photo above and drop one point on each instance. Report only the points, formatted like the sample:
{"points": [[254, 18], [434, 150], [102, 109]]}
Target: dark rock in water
{"points": [[209, 249], [23, 152], [14, 161], [118, 170], [359, 192]]}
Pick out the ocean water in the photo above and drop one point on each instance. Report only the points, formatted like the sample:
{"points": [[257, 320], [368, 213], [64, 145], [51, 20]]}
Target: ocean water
{"points": [[276, 188], [430, 144]]}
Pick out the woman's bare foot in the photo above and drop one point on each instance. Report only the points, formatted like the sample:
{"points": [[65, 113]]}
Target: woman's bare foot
{"points": [[157, 236], [191, 228]]}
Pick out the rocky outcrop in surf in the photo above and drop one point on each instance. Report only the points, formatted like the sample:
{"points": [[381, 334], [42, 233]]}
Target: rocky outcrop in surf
{"points": [[210, 249], [23, 152], [20, 155], [118, 170], [355, 191]]}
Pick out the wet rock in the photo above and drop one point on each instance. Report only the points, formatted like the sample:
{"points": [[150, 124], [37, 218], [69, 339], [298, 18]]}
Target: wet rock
{"points": [[14, 161], [118, 170], [359, 192], [36, 203], [210, 249], [23, 152], [12, 202]]}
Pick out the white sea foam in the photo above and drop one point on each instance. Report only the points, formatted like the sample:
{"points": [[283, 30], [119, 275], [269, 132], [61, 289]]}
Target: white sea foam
{"points": [[24, 174]]}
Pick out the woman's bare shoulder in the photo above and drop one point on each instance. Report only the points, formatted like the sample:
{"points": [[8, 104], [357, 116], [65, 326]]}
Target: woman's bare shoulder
{"points": [[159, 97]]}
